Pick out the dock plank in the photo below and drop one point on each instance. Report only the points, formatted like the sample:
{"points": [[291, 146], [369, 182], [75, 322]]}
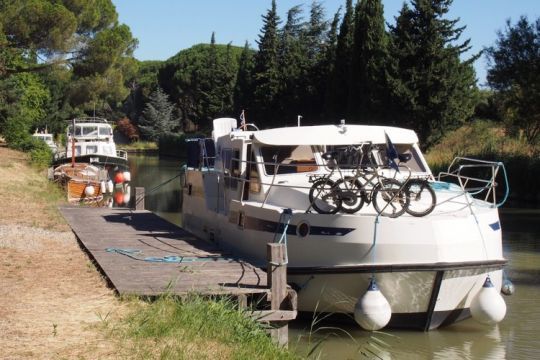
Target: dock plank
{"points": [[141, 235]]}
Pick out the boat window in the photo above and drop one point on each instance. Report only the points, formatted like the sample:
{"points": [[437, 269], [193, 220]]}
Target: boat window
{"points": [[288, 159], [91, 149], [90, 130], [105, 131], [415, 163], [231, 160], [254, 178], [78, 130], [353, 156]]}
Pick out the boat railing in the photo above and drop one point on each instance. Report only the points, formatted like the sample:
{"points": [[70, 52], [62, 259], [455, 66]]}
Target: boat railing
{"points": [[88, 119], [478, 178]]}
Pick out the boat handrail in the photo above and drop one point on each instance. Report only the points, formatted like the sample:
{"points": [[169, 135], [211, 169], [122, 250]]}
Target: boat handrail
{"points": [[88, 119], [482, 188]]}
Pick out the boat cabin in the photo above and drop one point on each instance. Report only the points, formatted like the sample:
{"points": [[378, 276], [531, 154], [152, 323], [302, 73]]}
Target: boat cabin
{"points": [[91, 136], [274, 166]]}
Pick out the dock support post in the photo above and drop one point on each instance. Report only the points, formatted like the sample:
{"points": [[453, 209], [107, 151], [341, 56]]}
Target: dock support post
{"points": [[139, 198], [277, 280]]}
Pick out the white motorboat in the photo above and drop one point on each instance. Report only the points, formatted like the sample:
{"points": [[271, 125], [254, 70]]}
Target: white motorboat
{"points": [[47, 138], [90, 140], [91, 161], [244, 188]]}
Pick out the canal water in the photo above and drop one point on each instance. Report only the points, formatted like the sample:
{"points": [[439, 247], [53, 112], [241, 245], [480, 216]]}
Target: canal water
{"points": [[514, 338]]}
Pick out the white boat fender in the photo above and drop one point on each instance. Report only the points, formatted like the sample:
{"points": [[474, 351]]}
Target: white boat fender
{"points": [[103, 186], [127, 176], [372, 311], [110, 186], [127, 194], [508, 288], [89, 190], [488, 306]]}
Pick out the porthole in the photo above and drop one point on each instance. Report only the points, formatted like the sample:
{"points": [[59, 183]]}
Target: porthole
{"points": [[302, 229]]}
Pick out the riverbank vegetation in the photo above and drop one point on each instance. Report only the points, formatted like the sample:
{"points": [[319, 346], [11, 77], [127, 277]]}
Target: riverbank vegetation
{"points": [[194, 327]]}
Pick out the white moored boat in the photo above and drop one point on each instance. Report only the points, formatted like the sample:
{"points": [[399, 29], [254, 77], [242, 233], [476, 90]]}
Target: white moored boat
{"points": [[244, 189]]}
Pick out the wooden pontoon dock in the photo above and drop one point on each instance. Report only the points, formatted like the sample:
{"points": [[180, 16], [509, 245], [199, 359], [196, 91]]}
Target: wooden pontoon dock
{"points": [[142, 254]]}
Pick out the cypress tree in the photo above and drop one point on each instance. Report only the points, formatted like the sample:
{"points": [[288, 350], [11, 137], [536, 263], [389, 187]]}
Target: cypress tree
{"points": [[292, 59], [337, 96], [316, 42], [432, 89], [244, 86], [266, 72], [366, 90]]}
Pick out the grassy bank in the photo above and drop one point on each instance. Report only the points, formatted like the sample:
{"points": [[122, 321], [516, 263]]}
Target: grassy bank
{"points": [[488, 141], [54, 304], [139, 147], [192, 328]]}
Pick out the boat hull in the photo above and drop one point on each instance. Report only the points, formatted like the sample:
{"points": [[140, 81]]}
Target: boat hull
{"points": [[95, 159], [428, 268]]}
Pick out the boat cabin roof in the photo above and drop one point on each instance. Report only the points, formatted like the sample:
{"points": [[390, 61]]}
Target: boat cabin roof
{"points": [[334, 135]]}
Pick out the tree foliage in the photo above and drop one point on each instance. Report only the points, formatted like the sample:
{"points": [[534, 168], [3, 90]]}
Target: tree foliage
{"points": [[432, 89], [75, 50], [367, 85], [158, 116], [199, 91], [266, 71], [514, 74]]}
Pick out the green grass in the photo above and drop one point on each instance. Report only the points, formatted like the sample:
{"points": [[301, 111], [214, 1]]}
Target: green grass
{"points": [[191, 328]]}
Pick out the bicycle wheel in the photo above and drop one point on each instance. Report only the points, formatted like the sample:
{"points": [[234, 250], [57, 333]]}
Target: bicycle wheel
{"points": [[422, 198], [389, 199], [324, 197], [349, 193]]}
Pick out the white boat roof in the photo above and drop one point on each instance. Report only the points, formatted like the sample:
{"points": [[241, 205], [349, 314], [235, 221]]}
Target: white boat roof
{"points": [[334, 135]]}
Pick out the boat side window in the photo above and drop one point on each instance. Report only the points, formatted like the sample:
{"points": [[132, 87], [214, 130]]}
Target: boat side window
{"points": [[104, 131], [231, 160], [91, 149], [254, 178], [288, 159]]}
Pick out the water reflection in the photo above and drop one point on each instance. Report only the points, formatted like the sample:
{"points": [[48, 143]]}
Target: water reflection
{"points": [[152, 173]]}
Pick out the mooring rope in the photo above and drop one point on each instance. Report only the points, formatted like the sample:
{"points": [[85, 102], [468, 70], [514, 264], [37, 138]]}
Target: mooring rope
{"points": [[132, 253]]}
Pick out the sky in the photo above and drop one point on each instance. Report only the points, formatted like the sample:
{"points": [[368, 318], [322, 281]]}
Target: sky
{"points": [[164, 27]]}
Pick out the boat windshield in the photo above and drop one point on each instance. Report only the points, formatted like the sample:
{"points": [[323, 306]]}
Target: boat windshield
{"points": [[91, 130], [288, 159], [371, 155]]}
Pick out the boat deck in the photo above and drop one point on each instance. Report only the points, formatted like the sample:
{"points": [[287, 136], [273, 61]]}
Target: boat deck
{"points": [[142, 254]]}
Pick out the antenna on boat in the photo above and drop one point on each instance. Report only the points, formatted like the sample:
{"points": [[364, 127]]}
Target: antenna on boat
{"points": [[73, 143], [299, 118]]}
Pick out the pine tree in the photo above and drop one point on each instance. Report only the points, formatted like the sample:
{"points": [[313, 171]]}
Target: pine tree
{"points": [[433, 90], [157, 118], [337, 96], [369, 56], [266, 72]]}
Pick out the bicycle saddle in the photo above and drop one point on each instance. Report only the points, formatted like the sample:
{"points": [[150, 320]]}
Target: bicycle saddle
{"points": [[404, 157]]}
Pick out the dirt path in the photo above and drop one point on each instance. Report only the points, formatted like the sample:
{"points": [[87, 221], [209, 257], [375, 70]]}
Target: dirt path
{"points": [[52, 300]]}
